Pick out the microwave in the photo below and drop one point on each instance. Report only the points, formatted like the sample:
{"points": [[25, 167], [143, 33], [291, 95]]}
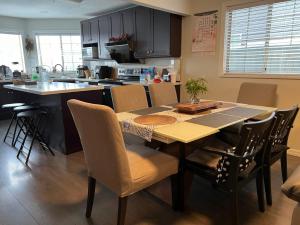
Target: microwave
{"points": [[90, 53]]}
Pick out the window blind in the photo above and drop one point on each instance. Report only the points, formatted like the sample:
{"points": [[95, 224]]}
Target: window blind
{"points": [[263, 39]]}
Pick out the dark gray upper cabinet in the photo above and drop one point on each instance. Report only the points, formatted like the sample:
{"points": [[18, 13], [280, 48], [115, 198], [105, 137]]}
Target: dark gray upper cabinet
{"points": [[143, 32], [105, 34], [128, 19], [116, 24], [85, 32], [154, 33], [94, 31], [89, 32]]}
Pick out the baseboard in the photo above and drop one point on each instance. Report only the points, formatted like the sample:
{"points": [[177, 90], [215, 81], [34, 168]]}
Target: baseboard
{"points": [[294, 152]]}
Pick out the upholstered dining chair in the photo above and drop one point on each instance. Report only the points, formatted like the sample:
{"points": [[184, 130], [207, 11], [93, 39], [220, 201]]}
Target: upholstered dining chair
{"points": [[278, 145], [124, 171], [229, 168], [163, 94], [257, 94], [128, 98]]}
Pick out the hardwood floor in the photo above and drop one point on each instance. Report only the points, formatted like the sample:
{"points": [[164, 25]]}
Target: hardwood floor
{"points": [[53, 190]]}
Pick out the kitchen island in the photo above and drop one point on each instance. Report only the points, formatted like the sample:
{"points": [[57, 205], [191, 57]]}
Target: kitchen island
{"points": [[60, 130]]}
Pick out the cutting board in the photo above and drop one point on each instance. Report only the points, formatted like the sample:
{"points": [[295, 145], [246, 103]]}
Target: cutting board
{"points": [[196, 108]]}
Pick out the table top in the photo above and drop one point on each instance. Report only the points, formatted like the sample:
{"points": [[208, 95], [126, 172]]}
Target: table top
{"points": [[189, 128], [46, 88]]}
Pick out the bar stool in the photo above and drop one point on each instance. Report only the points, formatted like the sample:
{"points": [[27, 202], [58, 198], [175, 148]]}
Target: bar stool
{"points": [[10, 107], [32, 121], [19, 122]]}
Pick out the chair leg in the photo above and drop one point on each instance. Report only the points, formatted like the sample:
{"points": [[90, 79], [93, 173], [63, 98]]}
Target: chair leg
{"points": [[90, 198], [175, 185], [283, 161], [268, 184], [122, 210], [235, 207], [260, 190]]}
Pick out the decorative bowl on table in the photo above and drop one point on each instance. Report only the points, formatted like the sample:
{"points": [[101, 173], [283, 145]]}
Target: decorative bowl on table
{"points": [[192, 108]]}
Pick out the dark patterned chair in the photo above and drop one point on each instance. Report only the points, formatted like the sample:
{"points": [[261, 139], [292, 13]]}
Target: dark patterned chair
{"points": [[278, 145], [229, 168]]}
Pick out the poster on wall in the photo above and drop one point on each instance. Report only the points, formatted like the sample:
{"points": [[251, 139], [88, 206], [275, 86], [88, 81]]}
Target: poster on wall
{"points": [[205, 32]]}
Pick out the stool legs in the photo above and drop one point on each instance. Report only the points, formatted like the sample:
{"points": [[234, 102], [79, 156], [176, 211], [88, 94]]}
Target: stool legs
{"points": [[9, 127]]}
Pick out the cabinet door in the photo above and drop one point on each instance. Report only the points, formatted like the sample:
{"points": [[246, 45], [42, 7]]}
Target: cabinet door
{"points": [[85, 32], [144, 32], [116, 25], [161, 34], [128, 23], [94, 31], [105, 34]]}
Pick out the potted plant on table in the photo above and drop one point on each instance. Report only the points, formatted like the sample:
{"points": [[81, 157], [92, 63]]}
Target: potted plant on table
{"points": [[195, 87]]}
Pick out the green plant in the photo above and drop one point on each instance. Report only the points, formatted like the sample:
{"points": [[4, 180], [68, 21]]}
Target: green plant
{"points": [[195, 87]]}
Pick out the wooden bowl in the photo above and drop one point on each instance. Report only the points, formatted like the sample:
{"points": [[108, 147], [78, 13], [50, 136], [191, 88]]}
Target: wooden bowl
{"points": [[155, 120]]}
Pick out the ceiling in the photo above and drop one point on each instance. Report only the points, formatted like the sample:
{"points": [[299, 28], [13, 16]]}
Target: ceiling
{"points": [[58, 8]]}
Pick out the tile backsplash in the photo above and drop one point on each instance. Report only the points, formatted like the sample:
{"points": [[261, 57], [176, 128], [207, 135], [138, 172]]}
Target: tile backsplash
{"points": [[160, 63]]}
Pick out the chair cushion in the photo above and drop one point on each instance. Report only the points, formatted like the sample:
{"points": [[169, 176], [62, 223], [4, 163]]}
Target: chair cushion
{"points": [[205, 158], [291, 188], [148, 166]]}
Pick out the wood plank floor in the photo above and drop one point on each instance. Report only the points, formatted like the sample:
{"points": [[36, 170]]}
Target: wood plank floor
{"points": [[52, 191]]}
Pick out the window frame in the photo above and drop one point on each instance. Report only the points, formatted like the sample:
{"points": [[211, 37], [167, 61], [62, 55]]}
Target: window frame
{"points": [[236, 4], [57, 33], [22, 49]]}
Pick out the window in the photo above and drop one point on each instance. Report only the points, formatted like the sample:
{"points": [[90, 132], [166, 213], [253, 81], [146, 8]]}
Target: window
{"points": [[11, 50], [59, 49], [263, 39]]}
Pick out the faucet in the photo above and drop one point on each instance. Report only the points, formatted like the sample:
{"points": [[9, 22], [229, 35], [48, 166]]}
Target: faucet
{"points": [[55, 70]]}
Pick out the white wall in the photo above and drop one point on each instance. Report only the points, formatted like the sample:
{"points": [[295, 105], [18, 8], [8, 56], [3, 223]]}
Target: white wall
{"points": [[196, 65], [30, 27]]}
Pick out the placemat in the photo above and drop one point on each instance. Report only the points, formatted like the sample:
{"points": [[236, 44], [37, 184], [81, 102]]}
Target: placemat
{"points": [[243, 112], [215, 120], [150, 110]]}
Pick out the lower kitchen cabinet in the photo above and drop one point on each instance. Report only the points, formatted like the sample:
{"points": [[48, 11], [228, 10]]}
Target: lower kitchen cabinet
{"points": [[6, 97]]}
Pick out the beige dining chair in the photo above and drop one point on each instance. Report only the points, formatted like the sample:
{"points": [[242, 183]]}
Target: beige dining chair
{"points": [[257, 94], [163, 94], [129, 97], [124, 171]]}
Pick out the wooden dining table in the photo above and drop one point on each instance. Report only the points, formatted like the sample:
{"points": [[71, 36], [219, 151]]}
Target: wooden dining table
{"points": [[190, 128]]}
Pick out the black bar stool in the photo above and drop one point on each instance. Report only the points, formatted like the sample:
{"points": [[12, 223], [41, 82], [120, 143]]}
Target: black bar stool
{"points": [[10, 107], [32, 121], [19, 122]]}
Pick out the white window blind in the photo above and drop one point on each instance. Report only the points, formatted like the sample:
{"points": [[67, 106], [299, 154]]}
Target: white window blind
{"points": [[263, 39], [59, 49]]}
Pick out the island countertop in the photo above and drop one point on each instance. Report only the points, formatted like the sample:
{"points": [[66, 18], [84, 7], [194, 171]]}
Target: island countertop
{"points": [[44, 88]]}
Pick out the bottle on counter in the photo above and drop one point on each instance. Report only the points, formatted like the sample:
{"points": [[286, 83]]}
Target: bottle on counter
{"points": [[34, 74]]}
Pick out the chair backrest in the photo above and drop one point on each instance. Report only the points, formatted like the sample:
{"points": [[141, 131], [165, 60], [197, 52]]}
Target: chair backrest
{"points": [[129, 97], [257, 94], [254, 136], [163, 94], [103, 144], [284, 120]]}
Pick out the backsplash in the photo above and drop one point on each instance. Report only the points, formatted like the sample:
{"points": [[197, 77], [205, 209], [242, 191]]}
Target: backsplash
{"points": [[160, 63]]}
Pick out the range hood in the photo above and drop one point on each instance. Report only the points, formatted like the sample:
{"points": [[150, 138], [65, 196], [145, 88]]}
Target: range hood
{"points": [[121, 51]]}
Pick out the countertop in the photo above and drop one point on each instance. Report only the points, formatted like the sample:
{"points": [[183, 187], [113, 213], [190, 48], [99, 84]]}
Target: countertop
{"points": [[105, 81], [54, 88]]}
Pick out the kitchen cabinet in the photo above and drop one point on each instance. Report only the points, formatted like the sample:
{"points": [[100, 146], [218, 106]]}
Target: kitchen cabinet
{"points": [[158, 33], [128, 19], [143, 32], [85, 32], [154, 33], [116, 24], [105, 34], [90, 32], [7, 96]]}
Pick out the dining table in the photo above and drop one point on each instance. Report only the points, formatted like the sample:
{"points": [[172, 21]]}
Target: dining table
{"points": [[185, 129]]}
